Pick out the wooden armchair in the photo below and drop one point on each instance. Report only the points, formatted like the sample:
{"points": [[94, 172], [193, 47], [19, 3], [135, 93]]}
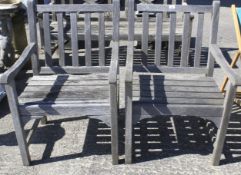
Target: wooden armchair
{"points": [[75, 83], [176, 87]]}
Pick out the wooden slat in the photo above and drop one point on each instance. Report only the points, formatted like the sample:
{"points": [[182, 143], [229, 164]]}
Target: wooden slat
{"points": [[69, 83], [99, 76], [145, 88], [185, 40], [145, 33], [61, 39], [179, 100], [131, 21], [115, 20], [75, 8], [87, 39], [47, 43], [33, 35], [187, 110], [166, 69], [101, 109], [197, 95], [101, 39], [213, 35], [198, 42], [158, 42], [176, 8], [75, 95], [152, 81], [74, 70], [171, 42], [74, 39]]}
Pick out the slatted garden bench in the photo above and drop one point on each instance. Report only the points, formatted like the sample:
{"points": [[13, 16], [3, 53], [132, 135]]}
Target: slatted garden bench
{"points": [[73, 85], [183, 89]]}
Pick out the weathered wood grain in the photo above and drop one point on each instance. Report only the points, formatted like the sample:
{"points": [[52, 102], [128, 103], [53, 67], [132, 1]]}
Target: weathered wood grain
{"points": [[74, 39], [61, 40], [171, 42]]}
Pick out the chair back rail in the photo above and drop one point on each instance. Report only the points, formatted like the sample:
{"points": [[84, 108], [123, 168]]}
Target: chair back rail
{"points": [[185, 59], [81, 55]]}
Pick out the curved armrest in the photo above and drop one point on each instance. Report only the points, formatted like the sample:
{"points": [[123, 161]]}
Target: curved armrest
{"points": [[11, 73], [129, 62], [114, 64], [220, 59]]}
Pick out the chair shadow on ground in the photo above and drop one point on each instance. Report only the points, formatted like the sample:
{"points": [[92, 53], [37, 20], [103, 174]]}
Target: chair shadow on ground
{"points": [[154, 139]]}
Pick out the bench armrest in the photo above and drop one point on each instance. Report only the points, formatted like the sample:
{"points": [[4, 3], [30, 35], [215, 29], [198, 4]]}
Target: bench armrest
{"points": [[129, 62], [114, 64], [11, 73], [220, 59]]}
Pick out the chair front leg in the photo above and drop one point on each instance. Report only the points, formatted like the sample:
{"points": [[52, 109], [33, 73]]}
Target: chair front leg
{"points": [[18, 125], [128, 123], [219, 143], [114, 123]]}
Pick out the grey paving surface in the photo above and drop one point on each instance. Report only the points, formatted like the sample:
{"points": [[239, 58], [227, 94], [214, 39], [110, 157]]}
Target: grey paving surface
{"points": [[82, 146]]}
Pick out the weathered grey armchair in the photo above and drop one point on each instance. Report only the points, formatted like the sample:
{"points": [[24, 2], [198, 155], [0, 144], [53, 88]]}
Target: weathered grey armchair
{"points": [[77, 83], [173, 86]]}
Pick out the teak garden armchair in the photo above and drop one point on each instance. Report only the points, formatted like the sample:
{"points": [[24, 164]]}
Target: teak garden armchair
{"points": [[73, 85], [183, 89]]}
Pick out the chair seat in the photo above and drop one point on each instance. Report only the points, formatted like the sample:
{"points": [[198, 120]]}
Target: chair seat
{"points": [[66, 94], [176, 94]]}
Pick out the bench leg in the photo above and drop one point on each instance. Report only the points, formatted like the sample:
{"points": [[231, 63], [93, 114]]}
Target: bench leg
{"points": [[219, 143], [128, 125], [114, 124], [18, 126]]}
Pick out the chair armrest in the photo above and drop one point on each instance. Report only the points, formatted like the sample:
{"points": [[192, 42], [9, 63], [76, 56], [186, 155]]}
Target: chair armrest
{"points": [[220, 59], [114, 64], [11, 73], [129, 62]]}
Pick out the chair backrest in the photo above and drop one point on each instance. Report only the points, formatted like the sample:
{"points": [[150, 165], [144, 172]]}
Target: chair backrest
{"points": [[236, 12], [71, 20], [171, 59]]}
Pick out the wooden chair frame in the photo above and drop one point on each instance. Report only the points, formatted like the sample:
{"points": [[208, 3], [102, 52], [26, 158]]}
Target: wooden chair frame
{"points": [[35, 111], [147, 109]]}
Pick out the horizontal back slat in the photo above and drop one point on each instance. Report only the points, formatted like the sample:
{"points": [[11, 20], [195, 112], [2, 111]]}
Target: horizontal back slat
{"points": [[174, 8], [91, 8]]}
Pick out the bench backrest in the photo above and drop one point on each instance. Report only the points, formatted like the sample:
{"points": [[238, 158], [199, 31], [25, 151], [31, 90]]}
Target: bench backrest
{"points": [[172, 59], [72, 18]]}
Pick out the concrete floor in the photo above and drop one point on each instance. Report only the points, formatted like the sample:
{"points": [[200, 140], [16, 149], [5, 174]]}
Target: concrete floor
{"points": [[82, 146]]}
